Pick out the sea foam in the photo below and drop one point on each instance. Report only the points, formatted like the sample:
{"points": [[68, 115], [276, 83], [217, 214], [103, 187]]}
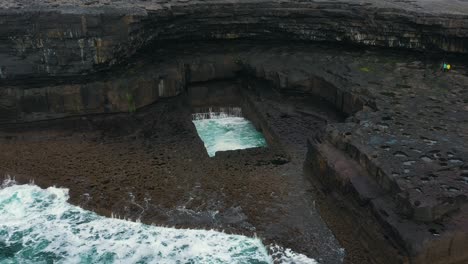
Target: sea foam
{"points": [[40, 226], [228, 133]]}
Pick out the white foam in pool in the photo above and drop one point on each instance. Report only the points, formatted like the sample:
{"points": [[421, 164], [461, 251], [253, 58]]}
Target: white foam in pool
{"points": [[40, 226], [221, 132]]}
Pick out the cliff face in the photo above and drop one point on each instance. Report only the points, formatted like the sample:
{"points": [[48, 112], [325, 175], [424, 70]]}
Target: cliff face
{"points": [[61, 40], [51, 43], [168, 71], [52, 56], [407, 135]]}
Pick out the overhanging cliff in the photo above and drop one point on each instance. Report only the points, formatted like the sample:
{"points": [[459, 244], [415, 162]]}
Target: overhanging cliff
{"points": [[69, 38]]}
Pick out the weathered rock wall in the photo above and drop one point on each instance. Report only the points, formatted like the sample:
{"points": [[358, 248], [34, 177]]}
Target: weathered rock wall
{"points": [[70, 41], [411, 140], [414, 240], [146, 81], [53, 43]]}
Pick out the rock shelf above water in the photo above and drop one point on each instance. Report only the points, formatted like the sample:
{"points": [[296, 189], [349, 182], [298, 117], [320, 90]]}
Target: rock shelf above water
{"points": [[400, 156]]}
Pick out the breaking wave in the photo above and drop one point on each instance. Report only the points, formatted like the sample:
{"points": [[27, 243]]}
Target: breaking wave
{"points": [[40, 226], [228, 133]]}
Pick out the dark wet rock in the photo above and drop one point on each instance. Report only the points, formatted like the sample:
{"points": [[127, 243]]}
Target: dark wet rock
{"points": [[396, 166], [406, 125], [279, 160], [152, 166], [233, 215], [406, 160]]}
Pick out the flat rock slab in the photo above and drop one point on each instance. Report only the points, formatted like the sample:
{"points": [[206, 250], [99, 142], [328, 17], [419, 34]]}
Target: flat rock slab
{"points": [[153, 166], [407, 127]]}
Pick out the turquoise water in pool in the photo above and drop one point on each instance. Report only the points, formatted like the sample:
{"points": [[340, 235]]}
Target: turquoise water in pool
{"points": [[228, 133], [40, 226]]}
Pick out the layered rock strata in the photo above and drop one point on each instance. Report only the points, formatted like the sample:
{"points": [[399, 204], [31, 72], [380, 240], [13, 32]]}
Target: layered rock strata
{"points": [[69, 38], [401, 154]]}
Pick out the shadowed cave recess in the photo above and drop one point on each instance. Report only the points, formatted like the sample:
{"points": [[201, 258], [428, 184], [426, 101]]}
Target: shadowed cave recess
{"points": [[324, 128]]}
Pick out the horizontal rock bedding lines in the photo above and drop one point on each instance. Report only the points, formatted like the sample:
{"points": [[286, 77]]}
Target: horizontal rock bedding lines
{"points": [[64, 40]]}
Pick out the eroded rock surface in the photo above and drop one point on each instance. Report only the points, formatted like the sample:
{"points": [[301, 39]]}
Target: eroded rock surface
{"points": [[153, 166], [68, 38], [398, 161]]}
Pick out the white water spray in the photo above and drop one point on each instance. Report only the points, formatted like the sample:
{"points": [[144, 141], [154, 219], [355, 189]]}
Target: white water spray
{"points": [[221, 112], [40, 226], [226, 129]]}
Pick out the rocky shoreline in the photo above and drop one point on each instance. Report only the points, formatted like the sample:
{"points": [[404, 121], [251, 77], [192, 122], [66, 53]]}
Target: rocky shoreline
{"points": [[98, 99], [153, 166]]}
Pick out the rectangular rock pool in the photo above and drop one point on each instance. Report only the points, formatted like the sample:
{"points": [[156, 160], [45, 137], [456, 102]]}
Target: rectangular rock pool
{"points": [[226, 129]]}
